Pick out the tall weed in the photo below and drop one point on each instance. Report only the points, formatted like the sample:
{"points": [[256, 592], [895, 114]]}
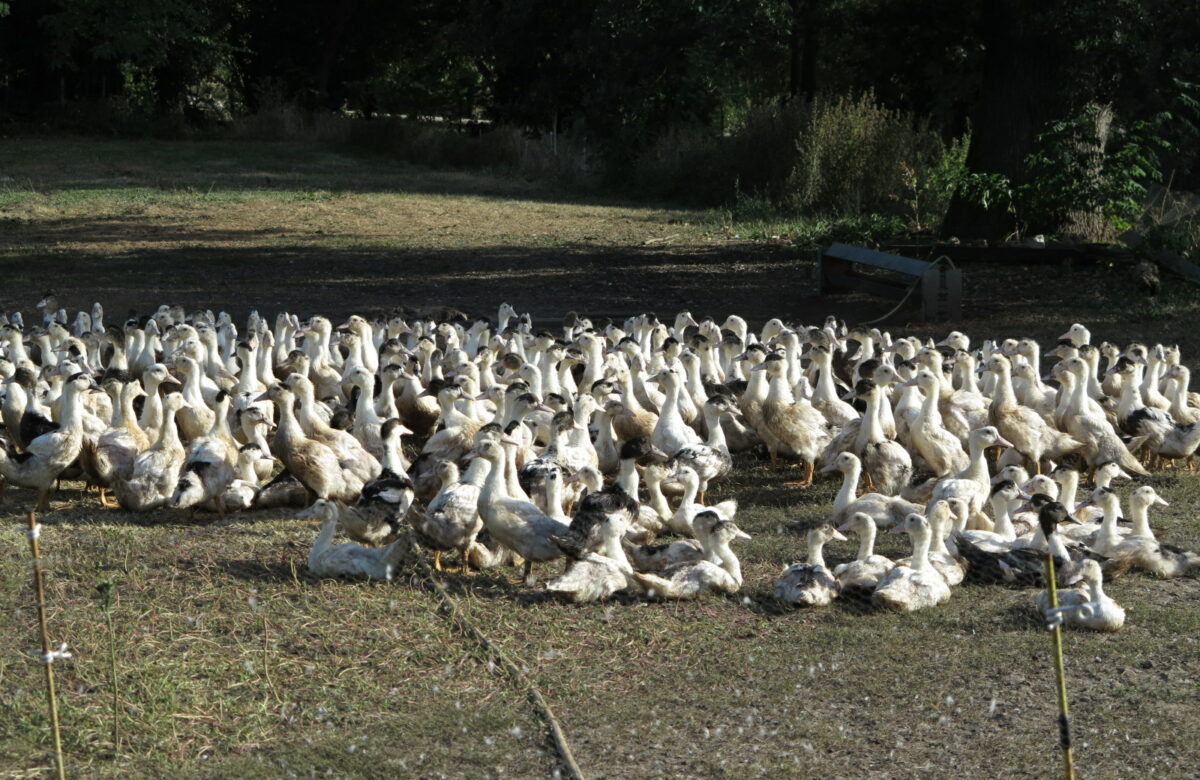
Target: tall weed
{"points": [[856, 156], [838, 156]]}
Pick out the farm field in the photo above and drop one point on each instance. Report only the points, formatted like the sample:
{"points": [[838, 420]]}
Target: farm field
{"points": [[232, 662]]}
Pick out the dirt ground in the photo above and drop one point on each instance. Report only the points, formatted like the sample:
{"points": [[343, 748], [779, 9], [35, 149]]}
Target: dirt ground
{"points": [[234, 663]]}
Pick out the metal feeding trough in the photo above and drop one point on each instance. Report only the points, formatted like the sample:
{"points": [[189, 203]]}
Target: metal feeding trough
{"points": [[940, 286]]}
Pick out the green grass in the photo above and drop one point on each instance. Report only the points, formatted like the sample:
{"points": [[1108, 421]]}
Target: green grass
{"points": [[232, 662]]}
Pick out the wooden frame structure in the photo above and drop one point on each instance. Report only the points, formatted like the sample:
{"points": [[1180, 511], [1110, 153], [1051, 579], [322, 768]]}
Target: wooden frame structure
{"points": [[940, 286]]}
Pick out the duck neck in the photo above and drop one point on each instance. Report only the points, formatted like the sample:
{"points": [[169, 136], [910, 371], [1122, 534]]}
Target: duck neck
{"points": [[1003, 396], [778, 391], [691, 488], [1180, 409], [393, 455], [152, 409], [872, 429], [495, 484], [825, 389], [245, 471], [716, 434], [695, 383], [595, 363], [920, 555], [1068, 488], [477, 472], [627, 476], [550, 377], [967, 381], [220, 425], [1131, 395], [816, 552], [1004, 526], [121, 412], [929, 405], [554, 504], [1057, 547], [757, 386], [728, 561], [289, 426], [324, 538], [452, 417], [1149, 374], [605, 436], [657, 501], [670, 406], [910, 397], [866, 540], [71, 408], [258, 435], [613, 549], [510, 474], [848, 493], [937, 541], [629, 398], [1139, 514], [364, 411], [977, 469], [168, 434], [1078, 395], [308, 412], [118, 360], [16, 349]]}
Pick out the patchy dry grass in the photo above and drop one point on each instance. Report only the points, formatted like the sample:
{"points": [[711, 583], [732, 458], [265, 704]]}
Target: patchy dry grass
{"points": [[233, 662]]}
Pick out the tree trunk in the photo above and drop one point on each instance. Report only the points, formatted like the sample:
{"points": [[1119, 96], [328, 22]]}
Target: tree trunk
{"points": [[802, 49], [342, 13], [1022, 89]]}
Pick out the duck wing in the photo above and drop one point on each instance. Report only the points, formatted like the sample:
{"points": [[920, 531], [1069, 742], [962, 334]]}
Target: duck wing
{"points": [[34, 425]]}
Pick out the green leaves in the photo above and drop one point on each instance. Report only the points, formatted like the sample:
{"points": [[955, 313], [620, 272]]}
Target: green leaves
{"points": [[1086, 164]]}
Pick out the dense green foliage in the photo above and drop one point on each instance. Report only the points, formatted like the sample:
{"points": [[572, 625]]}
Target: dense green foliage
{"points": [[856, 106]]}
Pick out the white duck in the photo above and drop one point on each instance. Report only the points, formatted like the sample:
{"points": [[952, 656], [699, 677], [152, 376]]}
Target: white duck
{"points": [[46, 456], [939, 447], [865, 571], [1141, 550], [350, 559], [243, 490], [887, 464], [973, 484], [710, 460], [1003, 535], [918, 585], [1086, 606], [156, 470], [671, 433], [681, 521], [811, 583], [451, 521], [518, 525], [692, 580], [596, 575], [208, 464], [884, 510]]}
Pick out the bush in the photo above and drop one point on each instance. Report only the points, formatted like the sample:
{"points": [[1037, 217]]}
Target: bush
{"points": [[835, 157], [855, 156]]}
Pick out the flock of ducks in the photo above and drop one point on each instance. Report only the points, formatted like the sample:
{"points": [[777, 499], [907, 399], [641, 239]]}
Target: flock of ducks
{"points": [[588, 444]]}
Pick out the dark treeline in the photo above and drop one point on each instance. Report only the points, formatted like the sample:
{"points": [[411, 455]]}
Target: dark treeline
{"points": [[655, 88]]}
